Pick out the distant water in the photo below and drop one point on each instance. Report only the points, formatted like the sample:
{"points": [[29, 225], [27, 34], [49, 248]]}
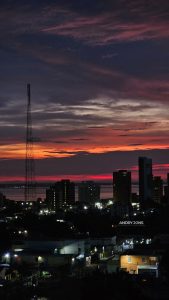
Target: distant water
{"points": [[17, 194]]}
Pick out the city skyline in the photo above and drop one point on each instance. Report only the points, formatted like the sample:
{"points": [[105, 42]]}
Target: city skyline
{"points": [[99, 80]]}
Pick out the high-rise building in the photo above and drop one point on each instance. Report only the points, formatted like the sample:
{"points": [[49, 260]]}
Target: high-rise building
{"points": [[166, 195], [145, 181], [166, 190], [157, 189], [89, 191], [2, 200], [61, 194], [122, 186]]}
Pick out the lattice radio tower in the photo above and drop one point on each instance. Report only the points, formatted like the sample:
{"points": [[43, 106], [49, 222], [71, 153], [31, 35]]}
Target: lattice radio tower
{"points": [[30, 191]]}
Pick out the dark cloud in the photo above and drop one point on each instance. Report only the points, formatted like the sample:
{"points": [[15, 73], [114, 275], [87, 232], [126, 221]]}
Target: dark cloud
{"points": [[60, 152], [134, 144], [61, 142], [76, 153], [80, 139]]}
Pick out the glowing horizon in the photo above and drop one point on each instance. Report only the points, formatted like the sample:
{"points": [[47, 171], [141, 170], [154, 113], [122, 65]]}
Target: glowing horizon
{"points": [[158, 170]]}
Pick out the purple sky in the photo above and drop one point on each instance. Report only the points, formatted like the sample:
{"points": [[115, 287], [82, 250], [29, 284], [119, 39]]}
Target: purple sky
{"points": [[99, 75]]}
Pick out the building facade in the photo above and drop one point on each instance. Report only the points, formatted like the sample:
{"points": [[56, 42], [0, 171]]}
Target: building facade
{"points": [[140, 263], [167, 189], [88, 191], [60, 195], [122, 186], [145, 181], [157, 189]]}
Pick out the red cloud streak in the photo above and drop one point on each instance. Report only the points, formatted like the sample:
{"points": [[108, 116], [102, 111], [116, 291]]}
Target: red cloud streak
{"points": [[107, 28], [158, 170]]}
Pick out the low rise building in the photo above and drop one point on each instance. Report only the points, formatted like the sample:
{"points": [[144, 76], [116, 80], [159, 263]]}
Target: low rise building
{"points": [[140, 262]]}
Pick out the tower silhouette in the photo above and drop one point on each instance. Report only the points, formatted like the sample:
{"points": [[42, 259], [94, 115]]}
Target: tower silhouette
{"points": [[30, 192]]}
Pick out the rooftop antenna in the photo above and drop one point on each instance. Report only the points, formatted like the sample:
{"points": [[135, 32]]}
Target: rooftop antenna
{"points": [[30, 192]]}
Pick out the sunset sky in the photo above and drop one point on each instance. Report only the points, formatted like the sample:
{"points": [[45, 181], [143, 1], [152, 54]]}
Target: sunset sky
{"points": [[99, 75]]}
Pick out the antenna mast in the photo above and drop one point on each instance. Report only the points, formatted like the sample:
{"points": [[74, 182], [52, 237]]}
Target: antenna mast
{"points": [[29, 158]]}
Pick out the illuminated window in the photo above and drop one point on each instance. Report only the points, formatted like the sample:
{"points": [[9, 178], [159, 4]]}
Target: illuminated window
{"points": [[129, 259], [152, 258]]}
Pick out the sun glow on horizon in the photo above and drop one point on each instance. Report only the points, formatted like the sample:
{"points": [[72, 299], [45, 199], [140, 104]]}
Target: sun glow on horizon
{"points": [[17, 151]]}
